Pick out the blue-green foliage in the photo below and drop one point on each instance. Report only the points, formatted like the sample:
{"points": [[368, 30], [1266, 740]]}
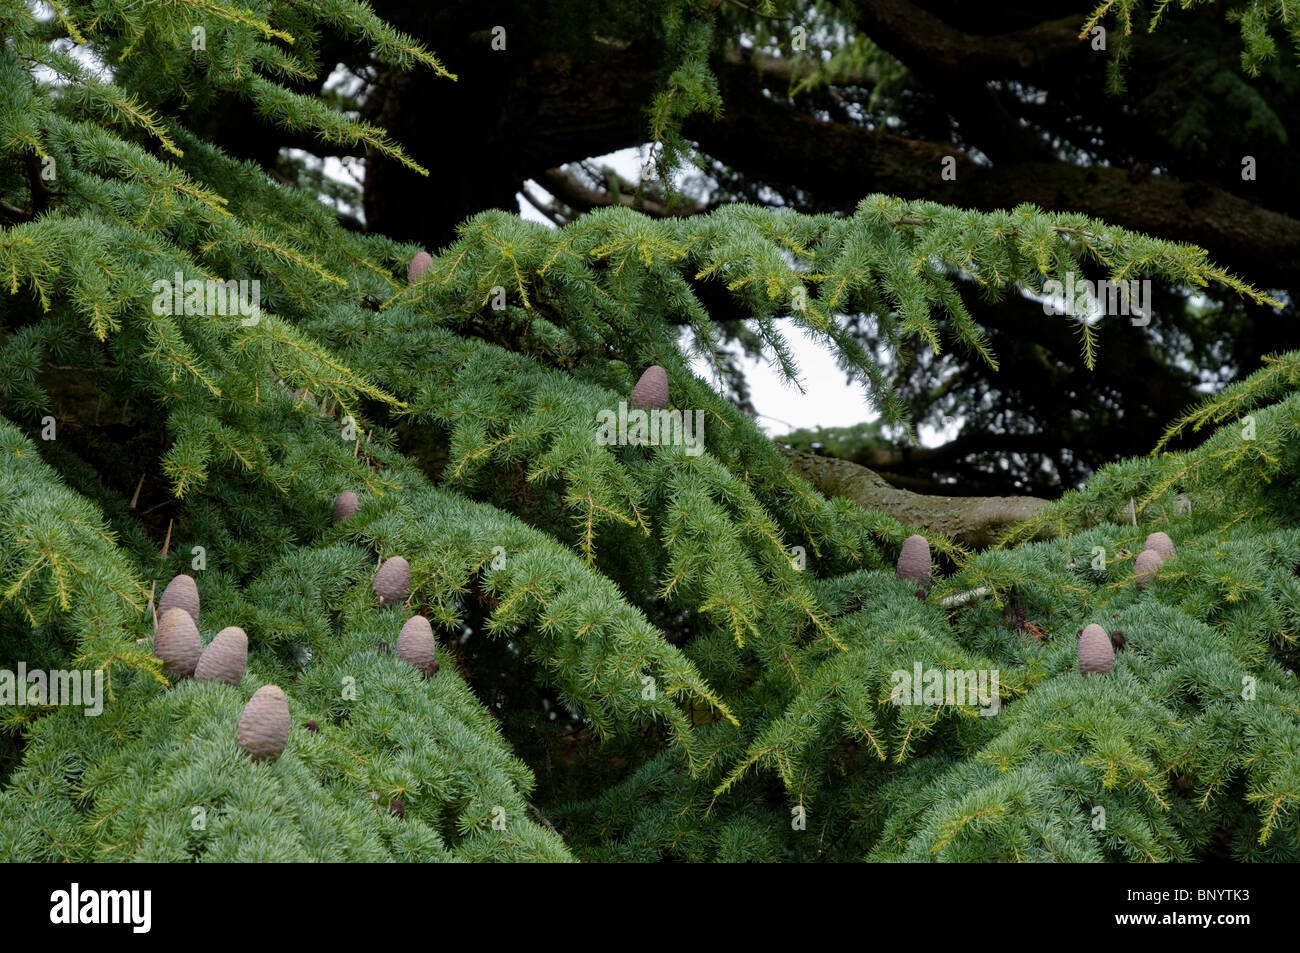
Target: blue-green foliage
{"points": [[698, 650]]}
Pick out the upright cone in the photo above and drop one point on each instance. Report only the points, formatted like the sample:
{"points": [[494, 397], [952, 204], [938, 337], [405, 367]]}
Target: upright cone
{"points": [[1096, 654], [264, 726], [176, 641], [393, 581], [651, 390], [1161, 543], [419, 265], [1146, 566], [181, 593], [225, 659], [914, 561], [345, 504], [416, 644]]}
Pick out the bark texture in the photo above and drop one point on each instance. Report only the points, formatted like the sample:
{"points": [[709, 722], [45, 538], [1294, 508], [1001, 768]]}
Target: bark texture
{"points": [[976, 522]]}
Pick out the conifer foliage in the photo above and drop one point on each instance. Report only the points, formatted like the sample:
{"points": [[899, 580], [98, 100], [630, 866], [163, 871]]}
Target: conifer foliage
{"points": [[644, 650]]}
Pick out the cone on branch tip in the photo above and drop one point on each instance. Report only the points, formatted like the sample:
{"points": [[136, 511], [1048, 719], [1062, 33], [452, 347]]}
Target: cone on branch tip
{"points": [[419, 265], [225, 659], [393, 581], [181, 593], [345, 504], [176, 641], [416, 644], [1096, 653], [651, 391], [1146, 566], [914, 561], [263, 729], [1161, 543]]}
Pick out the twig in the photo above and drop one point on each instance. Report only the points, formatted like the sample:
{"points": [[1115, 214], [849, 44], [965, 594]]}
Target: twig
{"points": [[15, 214], [964, 597], [537, 202]]}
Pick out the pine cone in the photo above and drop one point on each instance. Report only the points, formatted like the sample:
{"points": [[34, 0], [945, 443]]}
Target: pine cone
{"points": [[419, 265], [416, 643], [181, 593], [1096, 655], [652, 389], [1146, 566], [264, 726], [1161, 543], [225, 659], [914, 561], [176, 641], [393, 581], [345, 504]]}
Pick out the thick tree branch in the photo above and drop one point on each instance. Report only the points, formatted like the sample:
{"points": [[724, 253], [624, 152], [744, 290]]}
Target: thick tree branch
{"points": [[583, 198], [973, 521], [917, 36], [11, 214], [787, 71]]}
